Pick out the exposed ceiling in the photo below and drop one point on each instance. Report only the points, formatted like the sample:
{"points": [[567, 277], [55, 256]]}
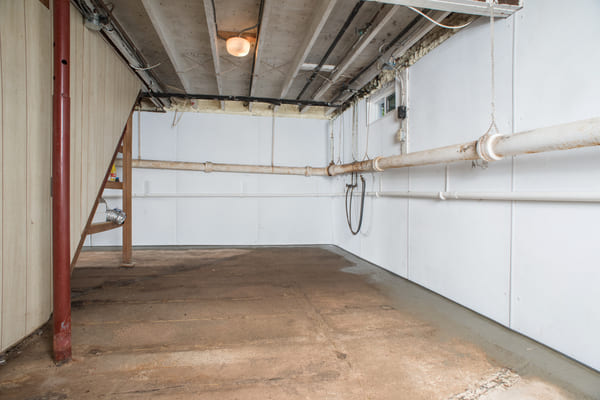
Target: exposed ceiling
{"points": [[183, 42]]}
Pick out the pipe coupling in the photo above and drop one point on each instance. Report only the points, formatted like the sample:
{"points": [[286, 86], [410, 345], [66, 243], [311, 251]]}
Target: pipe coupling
{"points": [[376, 166], [208, 167], [329, 173], [308, 171], [485, 148]]}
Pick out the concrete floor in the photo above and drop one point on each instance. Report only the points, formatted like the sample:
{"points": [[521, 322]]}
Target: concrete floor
{"points": [[277, 323]]}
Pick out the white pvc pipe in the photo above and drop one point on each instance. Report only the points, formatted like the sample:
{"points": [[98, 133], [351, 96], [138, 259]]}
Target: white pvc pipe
{"points": [[488, 147], [224, 195], [566, 197], [218, 167]]}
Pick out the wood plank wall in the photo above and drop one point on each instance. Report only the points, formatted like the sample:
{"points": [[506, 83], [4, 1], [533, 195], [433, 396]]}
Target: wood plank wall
{"points": [[103, 91]]}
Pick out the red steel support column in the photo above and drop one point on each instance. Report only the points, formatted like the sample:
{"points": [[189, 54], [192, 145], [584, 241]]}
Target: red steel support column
{"points": [[60, 184]]}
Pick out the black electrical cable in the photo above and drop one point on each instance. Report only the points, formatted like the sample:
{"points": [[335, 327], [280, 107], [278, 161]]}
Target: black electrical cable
{"points": [[349, 195], [258, 34], [245, 99]]}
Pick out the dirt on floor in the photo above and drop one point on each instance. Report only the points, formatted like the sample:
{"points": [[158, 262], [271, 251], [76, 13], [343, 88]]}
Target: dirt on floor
{"points": [[262, 323]]}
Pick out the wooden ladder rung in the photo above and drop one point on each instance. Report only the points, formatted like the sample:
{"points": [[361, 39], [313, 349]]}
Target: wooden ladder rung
{"points": [[102, 227], [113, 185]]}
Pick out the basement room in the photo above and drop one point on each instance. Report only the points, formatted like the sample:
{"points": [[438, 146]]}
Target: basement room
{"points": [[299, 199]]}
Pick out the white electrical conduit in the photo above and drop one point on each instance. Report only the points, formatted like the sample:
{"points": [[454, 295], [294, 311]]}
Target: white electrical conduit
{"points": [[560, 197], [488, 148]]}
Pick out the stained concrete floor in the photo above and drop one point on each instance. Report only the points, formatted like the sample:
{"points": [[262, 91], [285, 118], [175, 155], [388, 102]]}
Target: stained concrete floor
{"points": [[277, 323]]}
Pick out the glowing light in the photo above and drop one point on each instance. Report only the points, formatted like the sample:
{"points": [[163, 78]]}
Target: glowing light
{"points": [[238, 46]]}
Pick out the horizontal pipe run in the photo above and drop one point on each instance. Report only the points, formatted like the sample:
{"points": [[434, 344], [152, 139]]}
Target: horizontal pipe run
{"points": [[573, 135], [488, 148], [552, 197], [555, 197], [237, 168], [224, 195]]}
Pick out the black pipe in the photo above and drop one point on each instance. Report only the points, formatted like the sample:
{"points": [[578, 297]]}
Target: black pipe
{"points": [[245, 99], [388, 46], [332, 46], [260, 17]]}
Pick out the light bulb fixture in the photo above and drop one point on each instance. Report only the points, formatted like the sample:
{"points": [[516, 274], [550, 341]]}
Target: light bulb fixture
{"points": [[238, 46]]}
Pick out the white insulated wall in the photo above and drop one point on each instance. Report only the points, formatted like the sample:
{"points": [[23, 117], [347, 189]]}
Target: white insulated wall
{"points": [[533, 267], [176, 207]]}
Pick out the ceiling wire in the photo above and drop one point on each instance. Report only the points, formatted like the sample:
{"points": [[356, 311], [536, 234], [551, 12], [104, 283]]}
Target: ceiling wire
{"points": [[249, 29], [493, 125], [217, 26], [438, 23], [144, 68]]}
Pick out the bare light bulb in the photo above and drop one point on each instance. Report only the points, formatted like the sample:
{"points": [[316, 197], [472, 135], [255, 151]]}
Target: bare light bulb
{"points": [[238, 46]]}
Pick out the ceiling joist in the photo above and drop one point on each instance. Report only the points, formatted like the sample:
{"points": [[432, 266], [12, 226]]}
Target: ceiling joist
{"points": [[320, 17], [154, 16], [211, 24], [185, 34], [263, 25], [406, 41], [364, 41]]}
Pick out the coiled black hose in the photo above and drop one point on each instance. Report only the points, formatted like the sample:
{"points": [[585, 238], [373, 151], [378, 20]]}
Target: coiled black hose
{"points": [[349, 195]]}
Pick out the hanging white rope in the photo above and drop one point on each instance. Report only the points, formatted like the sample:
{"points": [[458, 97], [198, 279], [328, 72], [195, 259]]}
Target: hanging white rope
{"points": [[175, 119], [340, 138], [354, 133], [484, 149], [273, 140], [368, 123], [493, 126], [331, 140]]}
